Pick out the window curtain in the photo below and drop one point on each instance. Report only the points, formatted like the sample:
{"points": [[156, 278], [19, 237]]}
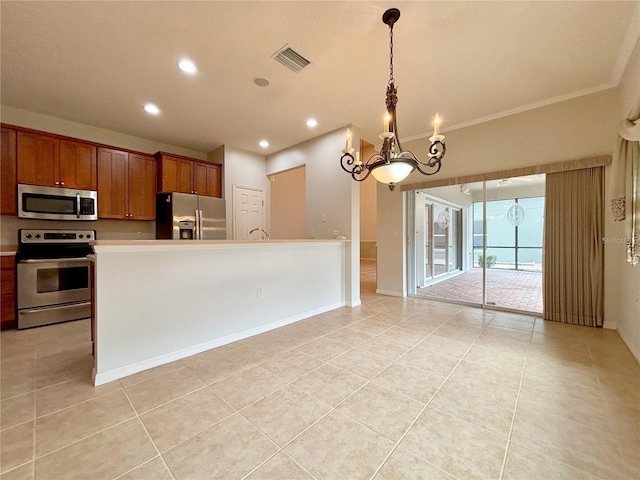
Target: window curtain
{"points": [[625, 182], [573, 250]]}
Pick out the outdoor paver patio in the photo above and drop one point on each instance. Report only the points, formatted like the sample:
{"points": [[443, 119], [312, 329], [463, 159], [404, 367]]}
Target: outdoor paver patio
{"points": [[513, 289]]}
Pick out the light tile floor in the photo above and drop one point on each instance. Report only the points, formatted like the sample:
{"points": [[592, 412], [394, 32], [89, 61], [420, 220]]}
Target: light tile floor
{"points": [[394, 389]]}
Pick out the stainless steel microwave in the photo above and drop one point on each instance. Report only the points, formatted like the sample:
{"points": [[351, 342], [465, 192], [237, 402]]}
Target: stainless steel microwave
{"points": [[51, 203]]}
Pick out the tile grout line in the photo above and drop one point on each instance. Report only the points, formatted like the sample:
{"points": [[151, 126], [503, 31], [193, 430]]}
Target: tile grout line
{"points": [[515, 410], [140, 422], [235, 411]]}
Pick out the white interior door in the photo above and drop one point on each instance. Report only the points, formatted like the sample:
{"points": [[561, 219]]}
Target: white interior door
{"points": [[248, 211]]}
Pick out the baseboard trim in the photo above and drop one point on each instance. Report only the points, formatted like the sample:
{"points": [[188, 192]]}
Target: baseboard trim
{"points": [[390, 293]]}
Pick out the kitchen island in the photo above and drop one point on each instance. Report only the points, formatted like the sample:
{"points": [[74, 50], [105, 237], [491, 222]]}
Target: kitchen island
{"points": [[158, 301]]}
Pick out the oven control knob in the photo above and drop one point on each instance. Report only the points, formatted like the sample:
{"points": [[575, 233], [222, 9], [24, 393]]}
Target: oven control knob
{"points": [[88, 235], [28, 235], [37, 235], [80, 236]]}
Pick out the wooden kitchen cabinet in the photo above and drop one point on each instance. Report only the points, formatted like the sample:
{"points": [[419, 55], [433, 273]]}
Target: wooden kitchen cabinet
{"points": [[208, 179], [78, 165], [8, 180], [53, 162], [126, 185], [183, 175], [142, 187], [175, 174], [8, 292]]}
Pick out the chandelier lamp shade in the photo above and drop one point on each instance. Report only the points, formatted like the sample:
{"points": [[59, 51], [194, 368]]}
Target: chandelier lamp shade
{"points": [[393, 164]]}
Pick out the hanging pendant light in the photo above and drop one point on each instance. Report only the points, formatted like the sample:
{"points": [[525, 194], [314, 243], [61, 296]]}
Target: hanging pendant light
{"points": [[393, 164]]}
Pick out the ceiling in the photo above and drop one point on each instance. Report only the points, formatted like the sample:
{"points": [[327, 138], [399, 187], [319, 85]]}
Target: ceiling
{"points": [[98, 63]]}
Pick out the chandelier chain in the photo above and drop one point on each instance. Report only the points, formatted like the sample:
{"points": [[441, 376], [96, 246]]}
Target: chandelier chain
{"points": [[391, 79]]}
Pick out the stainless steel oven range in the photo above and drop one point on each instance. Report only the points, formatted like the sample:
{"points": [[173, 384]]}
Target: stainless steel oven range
{"points": [[53, 276]]}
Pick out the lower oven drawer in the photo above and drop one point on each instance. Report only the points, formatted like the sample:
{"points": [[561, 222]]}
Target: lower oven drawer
{"points": [[35, 317], [52, 282]]}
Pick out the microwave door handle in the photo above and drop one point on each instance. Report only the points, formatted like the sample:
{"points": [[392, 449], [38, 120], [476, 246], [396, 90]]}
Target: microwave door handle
{"points": [[78, 205]]}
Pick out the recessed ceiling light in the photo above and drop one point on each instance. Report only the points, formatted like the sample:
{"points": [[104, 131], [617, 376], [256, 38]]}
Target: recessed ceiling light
{"points": [[312, 122], [187, 66], [151, 108], [263, 143], [261, 82]]}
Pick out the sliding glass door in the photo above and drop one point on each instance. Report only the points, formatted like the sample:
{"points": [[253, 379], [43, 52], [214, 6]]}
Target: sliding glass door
{"points": [[479, 243], [437, 240]]}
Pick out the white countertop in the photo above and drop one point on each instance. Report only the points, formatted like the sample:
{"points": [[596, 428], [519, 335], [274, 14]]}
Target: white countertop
{"points": [[8, 250], [141, 245]]}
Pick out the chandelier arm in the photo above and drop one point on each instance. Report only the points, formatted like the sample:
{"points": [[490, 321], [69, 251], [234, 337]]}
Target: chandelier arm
{"points": [[358, 172], [437, 165], [348, 160], [362, 177]]}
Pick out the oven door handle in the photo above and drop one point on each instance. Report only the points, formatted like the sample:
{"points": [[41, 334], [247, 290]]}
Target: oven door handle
{"points": [[49, 260]]}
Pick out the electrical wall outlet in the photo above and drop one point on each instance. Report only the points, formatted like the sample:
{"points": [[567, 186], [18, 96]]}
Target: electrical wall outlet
{"points": [[336, 233], [260, 293], [324, 217]]}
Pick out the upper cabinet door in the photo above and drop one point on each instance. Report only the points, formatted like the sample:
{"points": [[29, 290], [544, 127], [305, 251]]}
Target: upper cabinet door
{"points": [[113, 183], [185, 176], [8, 188], [38, 159], [200, 179], [208, 179], [142, 187], [78, 165], [175, 174]]}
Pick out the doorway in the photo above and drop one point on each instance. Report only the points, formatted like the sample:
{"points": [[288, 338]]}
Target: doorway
{"points": [[288, 204], [486, 250]]}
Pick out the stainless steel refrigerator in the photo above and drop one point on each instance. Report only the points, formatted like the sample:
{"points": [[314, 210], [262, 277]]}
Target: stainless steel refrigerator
{"points": [[180, 216]]}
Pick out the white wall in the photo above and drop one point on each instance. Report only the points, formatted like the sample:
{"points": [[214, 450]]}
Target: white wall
{"points": [[391, 237], [333, 198], [577, 128], [244, 169], [622, 281]]}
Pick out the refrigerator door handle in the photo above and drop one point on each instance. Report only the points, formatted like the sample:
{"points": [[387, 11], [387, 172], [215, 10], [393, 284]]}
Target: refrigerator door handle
{"points": [[196, 234], [200, 233]]}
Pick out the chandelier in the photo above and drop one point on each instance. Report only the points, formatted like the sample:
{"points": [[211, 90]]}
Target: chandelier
{"points": [[393, 164]]}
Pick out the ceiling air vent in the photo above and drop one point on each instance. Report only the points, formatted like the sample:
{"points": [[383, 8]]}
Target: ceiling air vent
{"points": [[290, 59]]}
